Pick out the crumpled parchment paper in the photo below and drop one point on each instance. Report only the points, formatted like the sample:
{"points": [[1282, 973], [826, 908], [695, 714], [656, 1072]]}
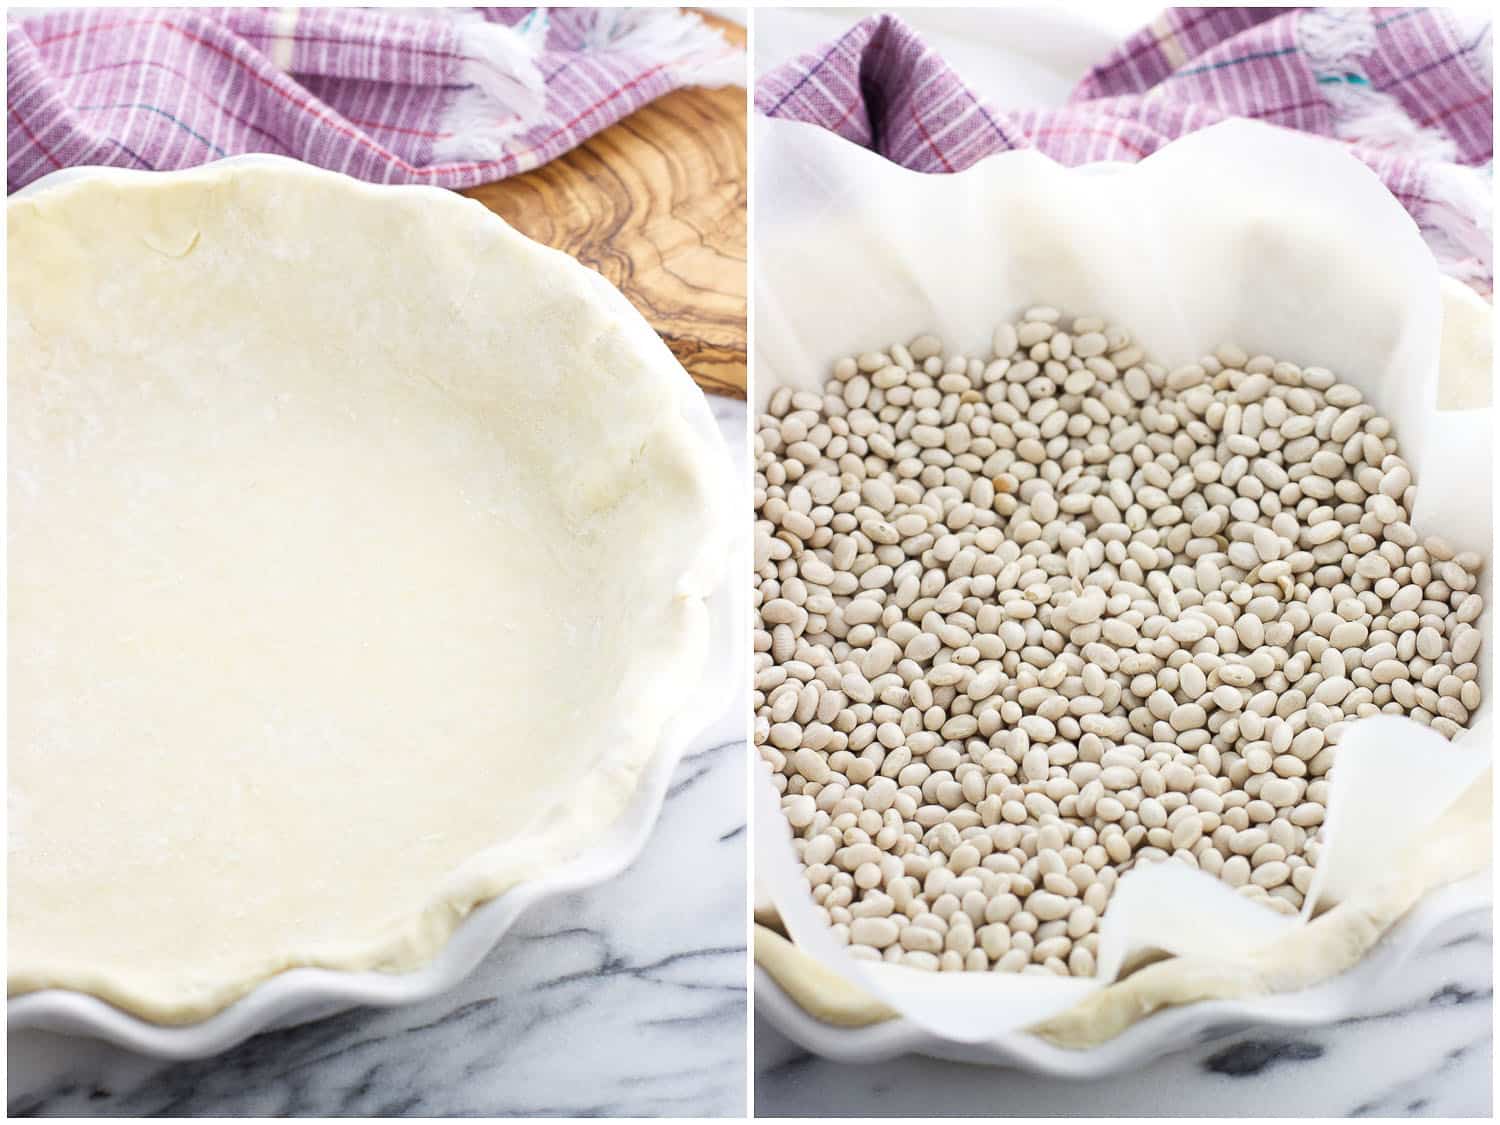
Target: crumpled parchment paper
{"points": [[1274, 240]]}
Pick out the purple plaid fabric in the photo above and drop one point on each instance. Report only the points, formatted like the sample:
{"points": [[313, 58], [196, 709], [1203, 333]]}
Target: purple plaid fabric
{"points": [[1409, 90], [374, 93]]}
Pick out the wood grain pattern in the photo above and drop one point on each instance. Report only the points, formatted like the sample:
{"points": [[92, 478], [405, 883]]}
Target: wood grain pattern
{"points": [[656, 203]]}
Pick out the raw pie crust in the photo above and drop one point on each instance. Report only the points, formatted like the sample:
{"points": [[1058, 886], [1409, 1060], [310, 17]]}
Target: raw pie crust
{"points": [[358, 549]]}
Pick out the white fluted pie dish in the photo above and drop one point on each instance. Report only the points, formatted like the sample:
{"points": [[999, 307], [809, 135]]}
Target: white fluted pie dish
{"points": [[368, 582]]}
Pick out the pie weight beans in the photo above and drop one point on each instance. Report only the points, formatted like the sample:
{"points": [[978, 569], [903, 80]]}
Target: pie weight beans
{"points": [[1023, 621]]}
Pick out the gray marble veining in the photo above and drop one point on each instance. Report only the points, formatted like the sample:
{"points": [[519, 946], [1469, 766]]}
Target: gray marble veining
{"points": [[625, 999], [1426, 1049]]}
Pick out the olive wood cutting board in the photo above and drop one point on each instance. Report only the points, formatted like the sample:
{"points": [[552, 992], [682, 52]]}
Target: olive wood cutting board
{"points": [[656, 203]]}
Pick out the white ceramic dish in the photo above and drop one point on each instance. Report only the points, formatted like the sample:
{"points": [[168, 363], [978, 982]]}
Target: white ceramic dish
{"points": [[1348, 995], [884, 228], [304, 994]]}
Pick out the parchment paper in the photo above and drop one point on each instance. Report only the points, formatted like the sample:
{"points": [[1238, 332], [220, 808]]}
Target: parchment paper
{"points": [[1274, 240]]}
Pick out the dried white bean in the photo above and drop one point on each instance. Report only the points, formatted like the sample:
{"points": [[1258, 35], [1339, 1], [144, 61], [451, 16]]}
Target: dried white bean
{"points": [[1025, 620]]}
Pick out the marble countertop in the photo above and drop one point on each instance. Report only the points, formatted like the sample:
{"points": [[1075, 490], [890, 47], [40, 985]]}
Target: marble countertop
{"points": [[1425, 1049], [627, 999]]}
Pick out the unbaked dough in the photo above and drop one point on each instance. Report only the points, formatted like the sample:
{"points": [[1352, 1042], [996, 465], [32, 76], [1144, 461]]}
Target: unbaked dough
{"points": [[358, 554]]}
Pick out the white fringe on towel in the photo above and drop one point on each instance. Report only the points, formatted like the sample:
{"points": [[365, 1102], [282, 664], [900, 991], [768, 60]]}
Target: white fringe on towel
{"points": [[1335, 42], [508, 95], [1458, 222]]}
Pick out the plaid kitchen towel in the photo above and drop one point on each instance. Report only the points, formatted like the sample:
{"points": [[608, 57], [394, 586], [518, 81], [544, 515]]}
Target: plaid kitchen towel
{"points": [[1409, 90], [452, 97]]}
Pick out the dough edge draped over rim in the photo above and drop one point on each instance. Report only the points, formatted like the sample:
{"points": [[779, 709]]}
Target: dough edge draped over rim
{"points": [[683, 468]]}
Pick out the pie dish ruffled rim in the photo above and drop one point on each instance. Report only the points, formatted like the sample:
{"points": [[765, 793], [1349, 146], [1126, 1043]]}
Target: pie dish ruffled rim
{"points": [[1345, 996]]}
